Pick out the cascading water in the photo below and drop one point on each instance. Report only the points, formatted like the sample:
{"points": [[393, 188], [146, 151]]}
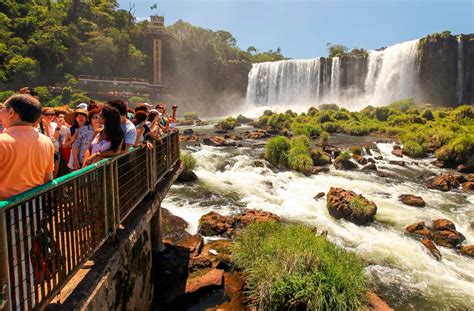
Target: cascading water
{"points": [[459, 82], [391, 75]]}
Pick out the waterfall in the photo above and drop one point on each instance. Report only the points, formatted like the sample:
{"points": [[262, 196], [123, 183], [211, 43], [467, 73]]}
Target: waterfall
{"points": [[335, 77], [459, 82], [392, 74]]}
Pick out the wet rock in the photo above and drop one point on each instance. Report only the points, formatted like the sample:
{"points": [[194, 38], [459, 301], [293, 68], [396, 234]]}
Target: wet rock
{"points": [[465, 169], [191, 139], [432, 248], [259, 163], [412, 200], [468, 186], [460, 177], [378, 158], [369, 167], [188, 132], [438, 163], [221, 131], [319, 195], [233, 289], [395, 162], [359, 159], [204, 280], [206, 259], [397, 147], [470, 177], [193, 243], [187, 177], [371, 160], [213, 223], [350, 206], [258, 134], [318, 169], [443, 224], [444, 182], [375, 303], [467, 250], [217, 141], [344, 164], [173, 227], [253, 216], [448, 238], [398, 153], [382, 174], [356, 150], [235, 137], [420, 229], [320, 158]]}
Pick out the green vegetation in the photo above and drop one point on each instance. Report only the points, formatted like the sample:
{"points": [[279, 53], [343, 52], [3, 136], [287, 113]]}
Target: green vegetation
{"points": [[243, 119], [276, 150], [228, 124], [345, 155], [324, 138], [328, 107], [299, 158], [289, 267], [189, 163]]}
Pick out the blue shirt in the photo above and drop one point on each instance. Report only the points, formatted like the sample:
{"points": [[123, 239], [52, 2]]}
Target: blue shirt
{"points": [[129, 132]]}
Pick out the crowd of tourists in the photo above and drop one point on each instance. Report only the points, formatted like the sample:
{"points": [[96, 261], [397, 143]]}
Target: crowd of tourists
{"points": [[38, 144]]}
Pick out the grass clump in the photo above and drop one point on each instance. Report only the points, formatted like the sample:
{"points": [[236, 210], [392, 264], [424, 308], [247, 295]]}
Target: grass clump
{"points": [[288, 267], [458, 150], [243, 119], [299, 158], [345, 155], [228, 124], [414, 149], [403, 105], [276, 150], [191, 116], [306, 129]]}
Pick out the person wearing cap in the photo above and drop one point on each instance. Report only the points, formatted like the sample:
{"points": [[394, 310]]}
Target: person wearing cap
{"points": [[26, 156]]}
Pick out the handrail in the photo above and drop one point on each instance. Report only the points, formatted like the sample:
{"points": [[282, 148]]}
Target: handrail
{"points": [[48, 232]]}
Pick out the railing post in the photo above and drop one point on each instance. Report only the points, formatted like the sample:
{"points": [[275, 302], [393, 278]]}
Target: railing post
{"points": [[168, 152], [4, 271], [115, 192]]}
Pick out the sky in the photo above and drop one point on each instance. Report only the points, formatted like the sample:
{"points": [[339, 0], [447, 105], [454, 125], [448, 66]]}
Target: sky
{"points": [[302, 29]]}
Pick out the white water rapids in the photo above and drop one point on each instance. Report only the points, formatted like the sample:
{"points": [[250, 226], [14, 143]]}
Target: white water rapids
{"points": [[391, 74], [401, 269]]}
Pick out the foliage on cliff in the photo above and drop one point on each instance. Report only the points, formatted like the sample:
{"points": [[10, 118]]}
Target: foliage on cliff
{"points": [[289, 267]]}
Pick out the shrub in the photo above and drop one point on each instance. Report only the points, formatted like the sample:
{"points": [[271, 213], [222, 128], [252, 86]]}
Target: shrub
{"points": [[189, 162], [428, 115], [299, 158], [382, 113], [279, 121], [276, 150], [368, 111], [414, 149], [330, 127], [268, 113], [228, 124], [345, 155], [403, 105], [356, 129], [328, 107], [244, 120], [464, 112], [324, 138], [341, 115], [290, 113], [312, 111], [288, 267], [457, 150], [191, 116], [324, 117], [307, 129], [262, 121]]}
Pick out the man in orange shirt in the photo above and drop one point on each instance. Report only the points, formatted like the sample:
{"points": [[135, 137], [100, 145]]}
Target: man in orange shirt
{"points": [[26, 157]]}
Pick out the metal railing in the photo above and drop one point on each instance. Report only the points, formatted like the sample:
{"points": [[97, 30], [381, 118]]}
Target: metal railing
{"points": [[49, 231]]}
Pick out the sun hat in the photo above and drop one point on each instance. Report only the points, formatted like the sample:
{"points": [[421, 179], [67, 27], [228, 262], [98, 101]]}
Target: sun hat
{"points": [[82, 106], [71, 116]]}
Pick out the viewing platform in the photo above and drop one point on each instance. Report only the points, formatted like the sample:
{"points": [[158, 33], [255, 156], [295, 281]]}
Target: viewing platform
{"points": [[51, 231]]}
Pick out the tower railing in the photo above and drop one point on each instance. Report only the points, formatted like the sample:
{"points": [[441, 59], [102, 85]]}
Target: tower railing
{"points": [[48, 232]]}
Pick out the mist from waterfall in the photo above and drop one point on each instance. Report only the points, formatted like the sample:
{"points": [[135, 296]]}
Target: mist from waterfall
{"points": [[390, 74]]}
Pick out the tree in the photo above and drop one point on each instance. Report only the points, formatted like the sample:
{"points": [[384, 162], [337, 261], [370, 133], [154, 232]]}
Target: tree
{"points": [[337, 50]]}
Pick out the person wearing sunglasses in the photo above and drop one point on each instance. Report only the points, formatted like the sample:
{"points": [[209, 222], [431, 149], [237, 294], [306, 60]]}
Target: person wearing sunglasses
{"points": [[26, 156], [85, 136]]}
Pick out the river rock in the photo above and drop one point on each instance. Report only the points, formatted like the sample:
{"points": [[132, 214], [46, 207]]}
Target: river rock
{"points": [[444, 182], [320, 158], [468, 186], [203, 281], [193, 243], [432, 248], [217, 141], [318, 169], [462, 168], [319, 195], [173, 227], [359, 159], [438, 163], [448, 238], [412, 200], [213, 223], [253, 216], [371, 160], [378, 158], [420, 229], [369, 167], [344, 164], [356, 150], [467, 250], [258, 134], [259, 163], [443, 224], [398, 153], [188, 132], [395, 162], [375, 303], [206, 258], [470, 177], [350, 206]]}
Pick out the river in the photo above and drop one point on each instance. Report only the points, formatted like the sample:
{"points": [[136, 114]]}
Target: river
{"points": [[398, 266]]}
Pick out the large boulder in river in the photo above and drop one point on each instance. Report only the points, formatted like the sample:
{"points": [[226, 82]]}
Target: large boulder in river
{"points": [[217, 141], [468, 186], [412, 200], [320, 158], [359, 159], [467, 250], [214, 223], [432, 248], [445, 234], [341, 164], [350, 206], [420, 229], [252, 216], [398, 153], [444, 182]]}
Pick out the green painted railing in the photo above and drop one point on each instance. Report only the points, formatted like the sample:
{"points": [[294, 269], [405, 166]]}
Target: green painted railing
{"points": [[47, 232]]}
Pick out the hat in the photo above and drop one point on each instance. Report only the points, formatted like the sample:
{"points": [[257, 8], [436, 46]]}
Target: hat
{"points": [[82, 106], [153, 111], [71, 116]]}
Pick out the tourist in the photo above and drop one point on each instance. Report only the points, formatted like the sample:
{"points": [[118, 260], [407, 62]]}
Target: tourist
{"points": [[84, 137], [108, 141], [49, 127], [79, 119], [163, 118], [129, 131], [141, 127], [26, 156]]}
